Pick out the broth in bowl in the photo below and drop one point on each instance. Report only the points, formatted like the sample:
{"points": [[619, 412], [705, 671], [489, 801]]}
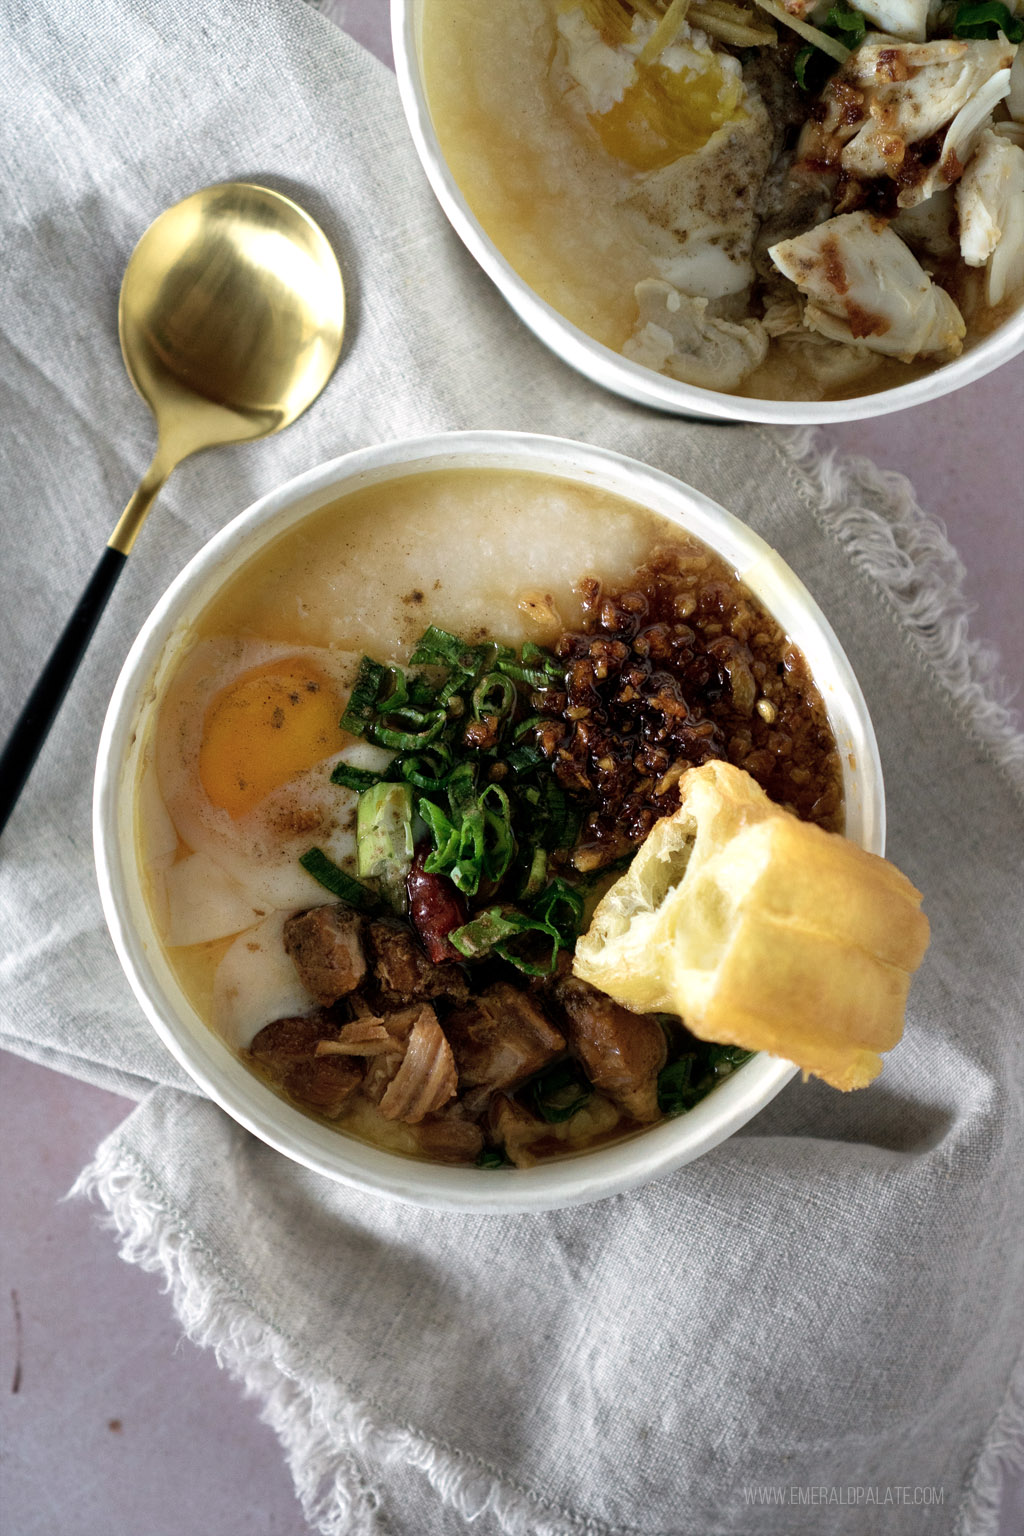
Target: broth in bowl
{"points": [[805, 215], [401, 755]]}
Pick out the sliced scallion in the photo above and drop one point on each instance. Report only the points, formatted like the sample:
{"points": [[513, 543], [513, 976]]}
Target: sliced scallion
{"points": [[561, 907], [384, 846], [362, 705], [535, 875], [407, 740], [495, 695], [326, 873], [355, 778], [478, 938]]}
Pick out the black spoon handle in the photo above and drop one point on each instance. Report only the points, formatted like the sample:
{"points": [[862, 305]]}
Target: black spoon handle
{"points": [[33, 724]]}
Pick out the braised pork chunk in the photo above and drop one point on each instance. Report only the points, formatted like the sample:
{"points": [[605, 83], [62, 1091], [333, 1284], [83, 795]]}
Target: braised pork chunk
{"points": [[621, 1052], [326, 948]]}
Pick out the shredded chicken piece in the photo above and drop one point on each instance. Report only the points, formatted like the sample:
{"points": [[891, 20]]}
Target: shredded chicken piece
{"points": [[908, 93], [674, 335], [863, 284], [906, 19], [427, 1077], [363, 1037], [990, 202]]}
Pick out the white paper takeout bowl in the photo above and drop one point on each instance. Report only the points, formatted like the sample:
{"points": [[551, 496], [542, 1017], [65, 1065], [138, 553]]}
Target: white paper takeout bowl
{"points": [[586, 1176], [612, 370]]}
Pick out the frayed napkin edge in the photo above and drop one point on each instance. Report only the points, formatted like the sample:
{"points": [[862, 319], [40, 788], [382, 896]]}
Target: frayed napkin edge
{"points": [[331, 1442]]}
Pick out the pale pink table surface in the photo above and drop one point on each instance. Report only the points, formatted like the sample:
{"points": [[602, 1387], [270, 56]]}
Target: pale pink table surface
{"points": [[114, 1425]]}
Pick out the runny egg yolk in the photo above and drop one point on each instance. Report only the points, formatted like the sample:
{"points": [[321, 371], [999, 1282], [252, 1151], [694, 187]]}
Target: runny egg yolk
{"points": [[264, 728], [665, 114]]}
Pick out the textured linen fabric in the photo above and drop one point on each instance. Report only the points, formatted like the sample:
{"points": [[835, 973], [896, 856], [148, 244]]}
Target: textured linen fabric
{"points": [[825, 1308]]}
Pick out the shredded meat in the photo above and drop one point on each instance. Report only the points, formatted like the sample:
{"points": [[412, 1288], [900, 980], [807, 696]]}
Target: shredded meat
{"points": [[365, 1036], [326, 948], [499, 1039], [621, 1052], [426, 1078], [382, 1066], [401, 969]]}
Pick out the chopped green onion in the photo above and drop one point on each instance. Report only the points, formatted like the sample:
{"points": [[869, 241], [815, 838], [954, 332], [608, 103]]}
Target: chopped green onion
{"points": [[355, 778], [384, 846], [561, 907], [335, 880], [397, 694], [813, 64], [438, 648], [479, 838], [683, 1083], [445, 836], [496, 929], [523, 960], [407, 741], [847, 25], [800, 63], [559, 823], [430, 769], [478, 938], [494, 695], [535, 656], [422, 694], [499, 840], [676, 1090], [362, 705], [723, 1059], [490, 1157], [528, 675], [987, 19], [560, 1092], [535, 875], [523, 759], [468, 867]]}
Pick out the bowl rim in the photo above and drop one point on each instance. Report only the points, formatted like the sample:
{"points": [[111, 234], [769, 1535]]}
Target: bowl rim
{"points": [[651, 1153], [610, 369]]}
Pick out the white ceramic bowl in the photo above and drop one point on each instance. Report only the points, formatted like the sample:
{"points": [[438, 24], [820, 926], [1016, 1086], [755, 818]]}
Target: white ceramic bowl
{"points": [[611, 369], [587, 1176]]}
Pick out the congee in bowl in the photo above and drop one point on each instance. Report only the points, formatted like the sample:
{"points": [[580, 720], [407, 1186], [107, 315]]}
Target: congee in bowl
{"points": [[780, 203], [383, 751]]}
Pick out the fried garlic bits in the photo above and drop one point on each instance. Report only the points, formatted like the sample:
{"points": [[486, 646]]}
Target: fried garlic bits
{"points": [[761, 931]]}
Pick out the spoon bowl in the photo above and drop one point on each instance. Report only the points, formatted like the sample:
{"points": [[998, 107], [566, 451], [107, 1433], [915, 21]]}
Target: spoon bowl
{"points": [[231, 318]]}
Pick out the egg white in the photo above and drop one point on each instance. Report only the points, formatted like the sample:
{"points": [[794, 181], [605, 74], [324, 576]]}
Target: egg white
{"points": [[228, 873]]}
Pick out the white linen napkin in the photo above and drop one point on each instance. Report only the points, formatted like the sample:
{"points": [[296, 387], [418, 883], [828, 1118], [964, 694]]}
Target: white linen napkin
{"points": [[822, 1311]]}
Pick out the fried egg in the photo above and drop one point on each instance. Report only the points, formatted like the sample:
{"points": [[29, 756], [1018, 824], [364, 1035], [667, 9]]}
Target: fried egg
{"points": [[247, 739], [697, 139], [648, 114]]}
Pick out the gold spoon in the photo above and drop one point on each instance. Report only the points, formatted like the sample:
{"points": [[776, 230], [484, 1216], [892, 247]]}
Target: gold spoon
{"points": [[231, 319]]}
